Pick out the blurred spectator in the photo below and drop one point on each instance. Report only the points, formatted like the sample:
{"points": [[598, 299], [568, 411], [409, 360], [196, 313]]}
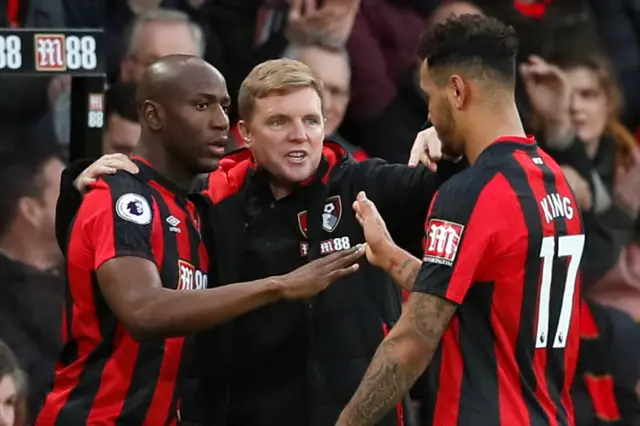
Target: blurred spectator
{"points": [[122, 129], [26, 100], [32, 284], [546, 26], [384, 121], [608, 371], [13, 389], [156, 33], [594, 105]]}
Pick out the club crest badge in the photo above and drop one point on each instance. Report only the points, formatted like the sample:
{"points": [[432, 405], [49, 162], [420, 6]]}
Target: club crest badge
{"points": [[331, 215]]}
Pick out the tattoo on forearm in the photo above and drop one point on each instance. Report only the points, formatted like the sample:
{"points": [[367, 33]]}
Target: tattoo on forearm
{"points": [[400, 359], [405, 271]]}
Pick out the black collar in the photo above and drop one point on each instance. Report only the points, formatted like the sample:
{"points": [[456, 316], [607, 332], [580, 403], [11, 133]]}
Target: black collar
{"points": [[148, 173]]}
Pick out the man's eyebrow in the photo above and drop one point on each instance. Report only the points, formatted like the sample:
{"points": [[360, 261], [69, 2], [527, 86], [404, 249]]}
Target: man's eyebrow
{"points": [[215, 98]]}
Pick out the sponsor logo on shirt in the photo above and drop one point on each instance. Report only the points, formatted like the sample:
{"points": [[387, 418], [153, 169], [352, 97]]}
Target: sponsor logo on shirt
{"points": [[442, 241], [328, 246], [190, 277]]}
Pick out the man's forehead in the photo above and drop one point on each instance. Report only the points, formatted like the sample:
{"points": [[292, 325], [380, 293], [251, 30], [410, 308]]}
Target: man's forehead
{"points": [[202, 80], [297, 103]]}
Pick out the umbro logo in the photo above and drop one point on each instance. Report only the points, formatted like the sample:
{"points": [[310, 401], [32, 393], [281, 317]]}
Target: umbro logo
{"points": [[173, 222]]}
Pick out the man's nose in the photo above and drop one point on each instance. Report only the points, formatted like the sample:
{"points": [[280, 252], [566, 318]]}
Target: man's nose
{"points": [[298, 131], [219, 118]]}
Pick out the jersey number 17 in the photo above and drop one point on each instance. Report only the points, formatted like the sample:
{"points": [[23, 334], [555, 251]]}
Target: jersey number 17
{"points": [[568, 246]]}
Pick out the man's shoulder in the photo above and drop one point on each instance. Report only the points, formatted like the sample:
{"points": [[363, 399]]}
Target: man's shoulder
{"points": [[466, 186], [111, 192]]}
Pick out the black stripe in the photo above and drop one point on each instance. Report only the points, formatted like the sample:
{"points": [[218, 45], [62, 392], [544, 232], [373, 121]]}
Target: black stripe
{"points": [[555, 357], [482, 375], [525, 342], [76, 410], [146, 372], [187, 350]]}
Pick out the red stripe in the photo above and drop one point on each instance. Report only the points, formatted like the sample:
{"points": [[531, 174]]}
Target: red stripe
{"points": [[588, 327], [536, 182], [451, 375], [399, 406], [505, 322], [600, 389], [161, 404]]}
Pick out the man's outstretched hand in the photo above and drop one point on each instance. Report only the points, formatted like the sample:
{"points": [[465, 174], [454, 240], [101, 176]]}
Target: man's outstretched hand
{"points": [[379, 241], [315, 276], [106, 165]]}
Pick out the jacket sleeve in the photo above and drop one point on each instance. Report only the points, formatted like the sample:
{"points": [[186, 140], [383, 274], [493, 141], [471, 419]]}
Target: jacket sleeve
{"points": [[403, 195], [69, 201]]}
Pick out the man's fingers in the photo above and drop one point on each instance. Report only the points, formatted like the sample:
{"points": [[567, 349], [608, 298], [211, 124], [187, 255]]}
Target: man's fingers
{"points": [[417, 150], [349, 258], [82, 183], [343, 272], [123, 164], [334, 257], [428, 162], [434, 148]]}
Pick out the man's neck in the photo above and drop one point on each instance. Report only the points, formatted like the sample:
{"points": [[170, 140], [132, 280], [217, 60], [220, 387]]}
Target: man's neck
{"points": [[490, 124], [162, 162], [18, 247]]}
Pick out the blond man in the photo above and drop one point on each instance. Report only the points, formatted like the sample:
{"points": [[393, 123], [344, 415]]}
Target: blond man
{"points": [[277, 204]]}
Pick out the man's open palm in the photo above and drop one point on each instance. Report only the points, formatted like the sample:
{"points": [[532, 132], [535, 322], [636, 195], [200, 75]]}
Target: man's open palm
{"points": [[375, 230]]}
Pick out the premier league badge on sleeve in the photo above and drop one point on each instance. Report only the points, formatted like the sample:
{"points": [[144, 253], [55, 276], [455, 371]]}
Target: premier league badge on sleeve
{"points": [[134, 208]]}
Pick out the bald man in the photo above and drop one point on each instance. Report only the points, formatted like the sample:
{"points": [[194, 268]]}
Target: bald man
{"points": [[138, 269]]}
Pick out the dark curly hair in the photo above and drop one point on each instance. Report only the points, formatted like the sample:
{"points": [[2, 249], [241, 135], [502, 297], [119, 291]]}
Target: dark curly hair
{"points": [[474, 44]]}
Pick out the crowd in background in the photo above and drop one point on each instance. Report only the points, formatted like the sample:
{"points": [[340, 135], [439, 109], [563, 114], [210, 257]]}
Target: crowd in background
{"points": [[578, 93]]}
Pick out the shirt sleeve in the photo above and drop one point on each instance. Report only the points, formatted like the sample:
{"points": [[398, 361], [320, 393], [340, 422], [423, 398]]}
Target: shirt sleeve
{"points": [[459, 228], [117, 220]]}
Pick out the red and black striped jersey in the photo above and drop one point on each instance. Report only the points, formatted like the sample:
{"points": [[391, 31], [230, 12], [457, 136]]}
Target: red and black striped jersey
{"points": [[504, 240], [105, 376]]}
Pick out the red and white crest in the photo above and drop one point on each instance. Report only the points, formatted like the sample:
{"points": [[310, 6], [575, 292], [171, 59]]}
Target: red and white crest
{"points": [[331, 215], [442, 241]]}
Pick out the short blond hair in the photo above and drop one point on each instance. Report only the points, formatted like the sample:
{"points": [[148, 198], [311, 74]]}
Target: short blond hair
{"points": [[279, 77]]}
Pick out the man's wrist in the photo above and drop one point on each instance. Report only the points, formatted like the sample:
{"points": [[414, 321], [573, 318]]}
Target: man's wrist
{"points": [[392, 255]]}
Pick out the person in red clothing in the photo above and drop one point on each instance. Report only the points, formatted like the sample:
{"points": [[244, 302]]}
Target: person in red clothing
{"points": [[138, 270], [494, 310]]}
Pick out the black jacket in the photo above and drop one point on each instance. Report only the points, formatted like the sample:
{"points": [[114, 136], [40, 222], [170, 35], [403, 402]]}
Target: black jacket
{"points": [[341, 327]]}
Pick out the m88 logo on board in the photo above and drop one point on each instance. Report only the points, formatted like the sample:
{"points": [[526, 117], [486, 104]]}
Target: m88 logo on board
{"points": [[60, 52]]}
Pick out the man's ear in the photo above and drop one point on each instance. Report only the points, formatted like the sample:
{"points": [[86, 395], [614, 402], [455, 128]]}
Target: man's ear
{"points": [[152, 115], [243, 128]]}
